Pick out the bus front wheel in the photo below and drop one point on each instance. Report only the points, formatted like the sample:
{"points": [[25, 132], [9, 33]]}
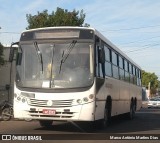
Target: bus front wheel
{"points": [[46, 123], [106, 119], [104, 123]]}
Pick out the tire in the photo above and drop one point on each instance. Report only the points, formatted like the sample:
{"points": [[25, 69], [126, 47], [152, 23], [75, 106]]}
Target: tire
{"points": [[6, 114], [46, 123], [105, 122], [106, 119], [131, 114]]}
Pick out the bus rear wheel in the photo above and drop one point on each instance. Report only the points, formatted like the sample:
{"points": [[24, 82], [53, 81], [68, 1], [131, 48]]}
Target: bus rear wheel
{"points": [[46, 123]]}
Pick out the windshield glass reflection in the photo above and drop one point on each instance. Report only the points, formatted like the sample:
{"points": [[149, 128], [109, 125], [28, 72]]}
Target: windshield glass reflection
{"points": [[44, 65]]}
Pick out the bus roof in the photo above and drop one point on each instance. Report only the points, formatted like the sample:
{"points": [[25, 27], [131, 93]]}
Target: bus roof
{"points": [[102, 37]]}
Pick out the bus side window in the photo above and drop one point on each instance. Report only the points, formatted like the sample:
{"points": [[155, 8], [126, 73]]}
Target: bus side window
{"points": [[121, 68], [97, 62], [115, 65], [100, 60], [140, 84], [127, 76], [108, 65]]}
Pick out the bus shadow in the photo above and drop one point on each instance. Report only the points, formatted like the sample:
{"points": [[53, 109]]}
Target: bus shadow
{"points": [[61, 127], [146, 120]]}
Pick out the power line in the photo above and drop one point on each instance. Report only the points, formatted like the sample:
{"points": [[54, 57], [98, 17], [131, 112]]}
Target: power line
{"points": [[140, 40], [152, 66], [136, 50], [10, 33], [132, 28], [140, 49]]}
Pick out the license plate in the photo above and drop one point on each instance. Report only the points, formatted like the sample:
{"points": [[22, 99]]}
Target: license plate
{"points": [[49, 111]]}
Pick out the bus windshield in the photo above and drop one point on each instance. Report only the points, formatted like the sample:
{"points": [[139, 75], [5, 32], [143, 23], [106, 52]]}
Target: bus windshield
{"points": [[55, 65]]}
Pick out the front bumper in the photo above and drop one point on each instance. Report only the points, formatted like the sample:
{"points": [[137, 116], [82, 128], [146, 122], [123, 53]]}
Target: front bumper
{"points": [[83, 112]]}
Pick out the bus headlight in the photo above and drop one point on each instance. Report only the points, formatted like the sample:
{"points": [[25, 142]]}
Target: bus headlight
{"points": [[91, 96], [85, 99], [23, 100], [79, 101], [18, 98], [15, 95]]}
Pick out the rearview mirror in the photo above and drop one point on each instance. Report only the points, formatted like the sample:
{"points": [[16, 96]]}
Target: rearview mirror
{"points": [[19, 59], [12, 51], [11, 54], [101, 56]]}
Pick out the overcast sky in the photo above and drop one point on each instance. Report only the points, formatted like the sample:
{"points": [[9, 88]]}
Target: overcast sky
{"points": [[132, 25]]}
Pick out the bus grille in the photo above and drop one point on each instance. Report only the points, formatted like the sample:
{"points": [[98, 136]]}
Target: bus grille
{"points": [[55, 103]]}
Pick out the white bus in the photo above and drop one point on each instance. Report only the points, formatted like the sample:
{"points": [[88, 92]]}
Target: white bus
{"points": [[73, 74]]}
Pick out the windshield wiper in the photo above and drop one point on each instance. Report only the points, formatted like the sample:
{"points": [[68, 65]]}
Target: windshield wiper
{"points": [[39, 54], [65, 55]]}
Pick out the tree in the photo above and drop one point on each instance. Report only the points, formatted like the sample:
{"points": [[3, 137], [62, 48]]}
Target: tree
{"points": [[1, 55], [152, 78], [61, 17]]}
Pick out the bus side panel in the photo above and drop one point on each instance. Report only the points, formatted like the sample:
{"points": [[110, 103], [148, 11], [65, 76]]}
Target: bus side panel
{"points": [[124, 97], [139, 98], [136, 92], [119, 107], [109, 88], [121, 93], [112, 89], [100, 102]]}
